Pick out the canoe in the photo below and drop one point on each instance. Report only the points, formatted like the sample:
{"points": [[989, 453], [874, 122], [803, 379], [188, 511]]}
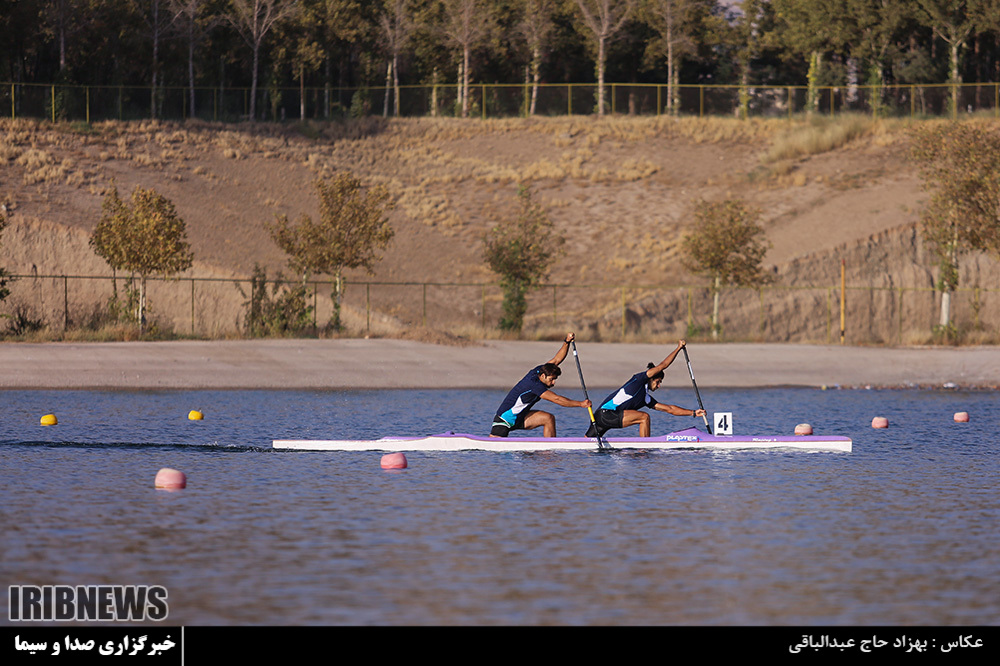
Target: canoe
{"points": [[691, 438]]}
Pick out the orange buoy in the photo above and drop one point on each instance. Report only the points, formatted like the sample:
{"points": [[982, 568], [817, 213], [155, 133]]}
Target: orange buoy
{"points": [[394, 461], [171, 479], [880, 422], [803, 429], [961, 417]]}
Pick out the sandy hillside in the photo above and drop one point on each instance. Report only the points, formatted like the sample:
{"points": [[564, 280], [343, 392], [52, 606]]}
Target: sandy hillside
{"points": [[619, 190]]}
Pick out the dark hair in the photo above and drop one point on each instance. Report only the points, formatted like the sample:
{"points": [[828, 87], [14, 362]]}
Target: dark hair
{"points": [[550, 369], [658, 375]]}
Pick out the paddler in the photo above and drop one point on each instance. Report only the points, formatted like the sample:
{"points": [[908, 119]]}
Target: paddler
{"points": [[516, 413], [622, 408]]}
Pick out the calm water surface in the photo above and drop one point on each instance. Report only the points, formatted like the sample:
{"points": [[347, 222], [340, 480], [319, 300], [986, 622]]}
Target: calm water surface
{"points": [[905, 530]]}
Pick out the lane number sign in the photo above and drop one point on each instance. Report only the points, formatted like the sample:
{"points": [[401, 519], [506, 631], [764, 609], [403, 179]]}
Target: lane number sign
{"points": [[723, 423]]}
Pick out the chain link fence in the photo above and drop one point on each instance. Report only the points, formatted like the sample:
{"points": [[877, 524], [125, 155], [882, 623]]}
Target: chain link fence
{"points": [[219, 308], [80, 103]]}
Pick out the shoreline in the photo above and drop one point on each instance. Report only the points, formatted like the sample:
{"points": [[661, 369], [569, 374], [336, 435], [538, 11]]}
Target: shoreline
{"points": [[300, 364]]}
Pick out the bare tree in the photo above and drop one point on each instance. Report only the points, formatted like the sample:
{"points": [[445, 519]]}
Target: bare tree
{"points": [[193, 22], [397, 25], [467, 24], [536, 27], [672, 19], [604, 18], [158, 21], [253, 19]]}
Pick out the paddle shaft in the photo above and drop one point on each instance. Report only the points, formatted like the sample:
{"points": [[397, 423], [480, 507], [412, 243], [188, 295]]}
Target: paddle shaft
{"points": [[696, 392], [600, 440]]}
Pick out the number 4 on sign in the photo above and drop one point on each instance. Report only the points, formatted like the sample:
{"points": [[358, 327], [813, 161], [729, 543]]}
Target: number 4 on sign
{"points": [[723, 423]]}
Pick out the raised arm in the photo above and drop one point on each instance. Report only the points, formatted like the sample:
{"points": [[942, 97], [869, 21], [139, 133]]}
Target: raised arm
{"points": [[564, 349], [665, 363]]}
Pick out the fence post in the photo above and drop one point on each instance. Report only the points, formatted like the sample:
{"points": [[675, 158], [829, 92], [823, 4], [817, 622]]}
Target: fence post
{"points": [[555, 318], [843, 297], [425, 305], [690, 310], [192, 306], [760, 295], [829, 313], [623, 312], [899, 304], [368, 306], [484, 307], [65, 303], [53, 104]]}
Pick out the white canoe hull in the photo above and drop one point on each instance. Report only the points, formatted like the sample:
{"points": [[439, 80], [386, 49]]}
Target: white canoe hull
{"points": [[692, 438]]}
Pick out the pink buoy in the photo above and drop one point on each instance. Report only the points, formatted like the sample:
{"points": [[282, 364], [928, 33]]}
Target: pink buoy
{"points": [[170, 479], [961, 417], [394, 461], [803, 429], [880, 422]]}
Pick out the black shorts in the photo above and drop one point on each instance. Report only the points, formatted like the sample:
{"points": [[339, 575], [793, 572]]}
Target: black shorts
{"points": [[501, 427], [606, 419]]}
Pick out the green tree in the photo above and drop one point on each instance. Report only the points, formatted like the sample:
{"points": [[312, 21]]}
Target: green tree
{"points": [[353, 227], [751, 31], [875, 27], [810, 29], [953, 22], [960, 165], [727, 246], [520, 249], [143, 236]]}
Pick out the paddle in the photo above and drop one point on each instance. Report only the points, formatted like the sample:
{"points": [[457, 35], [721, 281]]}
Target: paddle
{"points": [[700, 405], [601, 444]]}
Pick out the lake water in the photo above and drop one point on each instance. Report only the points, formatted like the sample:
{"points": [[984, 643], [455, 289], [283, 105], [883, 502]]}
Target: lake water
{"points": [[905, 530]]}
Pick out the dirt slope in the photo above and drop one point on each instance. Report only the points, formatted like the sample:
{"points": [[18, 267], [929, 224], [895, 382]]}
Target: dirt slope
{"points": [[620, 190]]}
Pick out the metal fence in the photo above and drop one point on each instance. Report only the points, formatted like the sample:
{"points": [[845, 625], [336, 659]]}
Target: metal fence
{"points": [[82, 103], [219, 307]]}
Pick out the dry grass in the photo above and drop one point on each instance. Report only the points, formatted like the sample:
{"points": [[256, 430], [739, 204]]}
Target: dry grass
{"points": [[819, 135]]}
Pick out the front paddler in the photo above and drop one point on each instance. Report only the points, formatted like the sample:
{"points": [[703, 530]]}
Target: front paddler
{"points": [[516, 413], [622, 408]]}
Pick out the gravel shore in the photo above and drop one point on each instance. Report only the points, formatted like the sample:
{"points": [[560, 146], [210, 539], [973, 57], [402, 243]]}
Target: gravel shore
{"points": [[390, 363]]}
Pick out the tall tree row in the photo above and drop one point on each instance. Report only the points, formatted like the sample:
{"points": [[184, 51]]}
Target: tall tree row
{"points": [[343, 46]]}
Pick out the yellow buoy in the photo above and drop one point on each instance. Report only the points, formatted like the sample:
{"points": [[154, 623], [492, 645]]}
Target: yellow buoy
{"points": [[195, 415], [49, 419]]}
